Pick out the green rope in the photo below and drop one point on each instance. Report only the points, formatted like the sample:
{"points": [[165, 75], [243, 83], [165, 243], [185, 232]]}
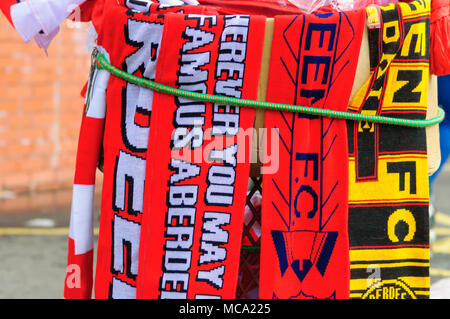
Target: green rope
{"points": [[102, 63]]}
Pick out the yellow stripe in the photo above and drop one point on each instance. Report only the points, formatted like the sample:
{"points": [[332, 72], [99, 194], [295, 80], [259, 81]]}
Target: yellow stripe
{"points": [[389, 254], [416, 282], [418, 15], [28, 231], [412, 282], [355, 295], [386, 187], [392, 265], [400, 108], [401, 200], [422, 293], [351, 158], [359, 284]]}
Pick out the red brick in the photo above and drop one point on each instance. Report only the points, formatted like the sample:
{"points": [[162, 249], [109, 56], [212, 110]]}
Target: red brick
{"points": [[7, 166], [41, 178], [45, 199], [28, 113], [16, 181], [18, 204], [64, 197]]}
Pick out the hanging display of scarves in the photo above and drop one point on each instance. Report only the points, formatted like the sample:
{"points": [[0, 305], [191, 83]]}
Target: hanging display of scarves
{"points": [[388, 180], [345, 212], [124, 143], [175, 182]]}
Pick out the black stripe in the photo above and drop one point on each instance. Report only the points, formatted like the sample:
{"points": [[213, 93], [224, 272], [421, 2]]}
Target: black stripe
{"points": [[369, 262], [392, 272]]}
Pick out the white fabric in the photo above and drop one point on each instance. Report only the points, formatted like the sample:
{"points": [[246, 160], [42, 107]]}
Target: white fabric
{"points": [[144, 5], [40, 19], [26, 27], [33, 16], [43, 41], [192, 2], [97, 96], [97, 105], [81, 218], [91, 38]]}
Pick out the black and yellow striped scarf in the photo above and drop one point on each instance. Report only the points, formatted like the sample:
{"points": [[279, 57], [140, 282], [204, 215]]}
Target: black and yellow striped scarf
{"points": [[388, 180]]}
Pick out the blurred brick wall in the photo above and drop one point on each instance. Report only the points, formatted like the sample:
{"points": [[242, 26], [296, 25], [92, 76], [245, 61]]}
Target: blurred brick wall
{"points": [[40, 113]]}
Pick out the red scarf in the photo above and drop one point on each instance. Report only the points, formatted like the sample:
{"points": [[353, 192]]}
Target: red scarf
{"points": [[78, 283], [304, 241], [194, 204]]}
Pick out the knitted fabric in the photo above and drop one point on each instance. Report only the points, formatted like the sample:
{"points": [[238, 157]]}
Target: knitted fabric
{"points": [[304, 241], [388, 180]]}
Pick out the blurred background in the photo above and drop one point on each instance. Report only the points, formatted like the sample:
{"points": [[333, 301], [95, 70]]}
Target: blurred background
{"points": [[40, 113]]}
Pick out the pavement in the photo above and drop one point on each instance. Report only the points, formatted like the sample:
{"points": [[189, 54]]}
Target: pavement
{"points": [[440, 247], [33, 249]]}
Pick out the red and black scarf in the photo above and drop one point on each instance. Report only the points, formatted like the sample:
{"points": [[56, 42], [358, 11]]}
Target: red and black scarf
{"points": [[388, 171]]}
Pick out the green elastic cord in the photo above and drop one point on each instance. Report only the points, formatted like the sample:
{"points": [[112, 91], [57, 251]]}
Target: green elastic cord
{"points": [[102, 63]]}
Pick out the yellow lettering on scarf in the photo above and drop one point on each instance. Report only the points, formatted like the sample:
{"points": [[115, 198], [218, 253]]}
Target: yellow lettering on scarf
{"points": [[418, 29], [367, 125], [387, 188], [418, 9], [391, 26], [396, 217], [389, 7]]}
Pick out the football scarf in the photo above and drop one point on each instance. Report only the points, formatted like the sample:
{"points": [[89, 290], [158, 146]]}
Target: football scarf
{"points": [[198, 163], [79, 274], [304, 241], [132, 42], [267, 8], [388, 182]]}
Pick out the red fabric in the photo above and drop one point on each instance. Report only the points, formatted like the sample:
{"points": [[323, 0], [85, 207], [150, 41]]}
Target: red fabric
{"points": [[259, 7], [90, 139], [5, 6], [112, 38], [267, 8], [220, 57], [79, 276], [440, 37], [92, 10], [131, 40], [304, 241]]}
